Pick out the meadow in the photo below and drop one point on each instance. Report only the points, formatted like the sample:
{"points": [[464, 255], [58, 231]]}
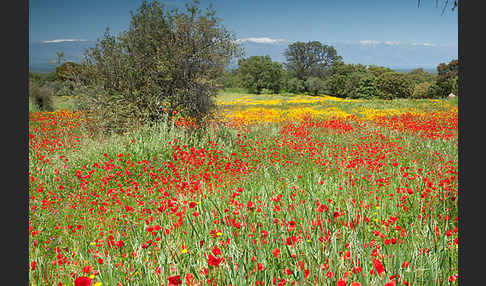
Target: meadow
{"points": [[278, 190]]}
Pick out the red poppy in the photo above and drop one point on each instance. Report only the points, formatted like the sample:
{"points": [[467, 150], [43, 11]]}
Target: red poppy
{"points": [[378, 266], [341, 282], [216, 250], [213, 261], [276, 252], [174, 280], [83, 281], [87, 269], [291, 225]]}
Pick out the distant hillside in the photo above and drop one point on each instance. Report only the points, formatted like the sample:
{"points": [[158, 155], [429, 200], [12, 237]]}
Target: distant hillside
{"points": [[399, 57]]}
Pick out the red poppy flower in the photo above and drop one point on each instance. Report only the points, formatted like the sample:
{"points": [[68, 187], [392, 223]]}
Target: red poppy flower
{"points": [[213, 261], [216, 250], [291, 225], [83, 281], [341, 282], [378, 266], [87, 269], [276, 252], [174, 280]]}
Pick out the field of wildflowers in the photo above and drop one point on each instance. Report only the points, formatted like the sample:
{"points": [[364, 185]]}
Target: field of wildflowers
{"points": [[279, 191]]}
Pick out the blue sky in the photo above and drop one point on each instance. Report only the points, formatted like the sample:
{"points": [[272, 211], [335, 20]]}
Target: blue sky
{"points": [[388, 22]]}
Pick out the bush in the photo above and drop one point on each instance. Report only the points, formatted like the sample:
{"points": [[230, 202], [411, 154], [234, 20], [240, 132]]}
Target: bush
{"points": [[41, 96], [393, 85], [432, 91], [167, 62], [366, 88], [421, 90], [260, 72], [445, 78], [344, 85], [68, 71], [315, 85], [295, 85]]}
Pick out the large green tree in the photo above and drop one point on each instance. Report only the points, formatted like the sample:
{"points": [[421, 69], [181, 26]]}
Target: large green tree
{"points": [[394, 85], [313, 58], [260, 72], [167, 61], [446, 80]]}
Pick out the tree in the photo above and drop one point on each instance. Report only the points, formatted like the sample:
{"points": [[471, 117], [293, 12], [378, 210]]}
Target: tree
{"points": [[166, 61], [366, 89], [68, 71], [343, 79], [315, 85], [446, 74], [377, 70], [394, 85], [295, 85], [421, 90], [418, 76], [309, 59], [259, 72]]}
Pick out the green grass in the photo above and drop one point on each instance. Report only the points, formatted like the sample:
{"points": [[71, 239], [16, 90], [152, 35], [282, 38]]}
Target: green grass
{"points": [[365, 174]]}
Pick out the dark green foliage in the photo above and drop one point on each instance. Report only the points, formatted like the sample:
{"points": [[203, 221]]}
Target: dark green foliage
{"points": [[231, 79], [377, 70], [455, 85], [432, 91], [42, 78], [344, 79], [167, 62], [418, 76], [259, 72], [309, 59], [315, 85], [366, 89], [394, 85], [295, 85], [446, 77], [68, 71], [41, 96], [339, 85], [421, 90]]}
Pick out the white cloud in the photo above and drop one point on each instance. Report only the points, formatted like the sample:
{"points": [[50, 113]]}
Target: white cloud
{"points": [[369, 42], [391, 43], [262, 40], [424, 44], [64, 40]]}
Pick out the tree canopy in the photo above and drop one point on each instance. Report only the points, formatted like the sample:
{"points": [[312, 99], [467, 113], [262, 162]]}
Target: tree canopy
{"points": [[167, 61], [260, 72], [309, 59]]}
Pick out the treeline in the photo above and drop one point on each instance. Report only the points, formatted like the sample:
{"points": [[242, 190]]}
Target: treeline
{"points": [[313, 68]]}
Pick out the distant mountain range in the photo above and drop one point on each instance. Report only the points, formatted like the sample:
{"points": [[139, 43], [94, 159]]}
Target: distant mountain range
{"points": [[400, 57]]}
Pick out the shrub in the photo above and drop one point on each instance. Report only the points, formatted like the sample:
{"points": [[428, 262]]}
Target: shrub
{"points": [[295, 85], [68, 71], [366, 88], [393, 85], [421, 90], [167, 62], [445, 78], [315, 85], [344, 85], [432, 91], [260, 72], [41, 97]]}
